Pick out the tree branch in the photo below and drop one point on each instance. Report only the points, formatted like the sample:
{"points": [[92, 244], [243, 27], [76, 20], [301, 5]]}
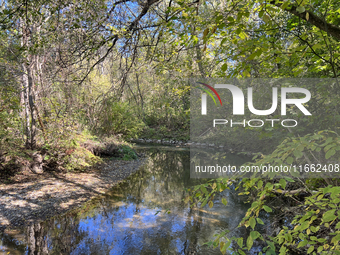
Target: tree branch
{"points": [[132, 27], [313, 19]]}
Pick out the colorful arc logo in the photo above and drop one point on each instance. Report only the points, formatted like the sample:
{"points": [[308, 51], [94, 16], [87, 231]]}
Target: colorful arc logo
{"points": [[209, 93]]}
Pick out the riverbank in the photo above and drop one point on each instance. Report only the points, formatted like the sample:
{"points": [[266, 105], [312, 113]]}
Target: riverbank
{"points": [[190, 144], [54, 193]]}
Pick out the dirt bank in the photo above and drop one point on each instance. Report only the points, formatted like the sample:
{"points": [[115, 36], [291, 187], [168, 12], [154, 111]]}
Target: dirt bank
{"points": [[51, 194]]}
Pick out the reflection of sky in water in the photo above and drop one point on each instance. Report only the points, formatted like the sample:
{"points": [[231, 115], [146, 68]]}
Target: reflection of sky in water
{"points": [[129, 229], [133, 229], [125, 222]]}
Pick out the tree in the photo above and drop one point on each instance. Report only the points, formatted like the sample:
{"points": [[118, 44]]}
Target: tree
{"points": [[65, 40]]}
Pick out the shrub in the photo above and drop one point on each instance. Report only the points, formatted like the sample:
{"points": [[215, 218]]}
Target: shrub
{"points": [[128, 153], [118, 118]]}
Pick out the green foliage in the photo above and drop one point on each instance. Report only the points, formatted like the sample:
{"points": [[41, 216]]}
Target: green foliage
{"points": [[167, 113], [316, 226], [163, 132], [128, 153], [10, 125], [317, 229], [79, 158], [118, 118], [67, 150], [311, 154]]}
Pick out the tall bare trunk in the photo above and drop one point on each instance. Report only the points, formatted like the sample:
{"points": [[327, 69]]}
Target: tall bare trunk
{"points": [[31, 100], [26, 109], [28, 91]]}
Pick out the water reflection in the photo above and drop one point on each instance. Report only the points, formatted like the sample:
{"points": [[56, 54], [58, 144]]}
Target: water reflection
{"points": [[144, 215]]}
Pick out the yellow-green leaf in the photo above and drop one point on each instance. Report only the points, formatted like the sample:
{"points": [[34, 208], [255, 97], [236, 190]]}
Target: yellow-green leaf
{"points": [[252, 222], [249, 242], [259, 221], [206, 31], [329, 216], [267, 209], [310, 249], [330, 153]]}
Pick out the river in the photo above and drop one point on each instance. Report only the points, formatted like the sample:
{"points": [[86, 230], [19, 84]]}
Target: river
{"points": [[143, 215]]}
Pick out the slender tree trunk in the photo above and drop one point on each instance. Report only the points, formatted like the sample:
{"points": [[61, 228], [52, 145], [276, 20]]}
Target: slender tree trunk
{"points": [[141, 97], [26, 110], [28, 91], [31, 100]]}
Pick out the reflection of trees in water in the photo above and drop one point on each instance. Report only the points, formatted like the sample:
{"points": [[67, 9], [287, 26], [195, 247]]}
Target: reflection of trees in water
{"points": [[162, 180], [119, 216], [12, 244], [59, 236], [63, 235], [36, 234], [190, 245]]}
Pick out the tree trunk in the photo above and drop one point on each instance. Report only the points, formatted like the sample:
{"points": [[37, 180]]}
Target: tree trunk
{"points": [[26, 109], [31, 100], [28, 91], [36, 237]]}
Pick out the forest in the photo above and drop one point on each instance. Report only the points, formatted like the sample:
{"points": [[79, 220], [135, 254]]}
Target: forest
{"points": [[80, 74]]}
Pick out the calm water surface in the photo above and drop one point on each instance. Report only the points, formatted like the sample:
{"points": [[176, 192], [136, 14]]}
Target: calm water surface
{"points": [[144, 215]]}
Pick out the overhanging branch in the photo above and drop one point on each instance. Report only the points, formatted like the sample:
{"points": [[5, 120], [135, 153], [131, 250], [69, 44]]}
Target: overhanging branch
{"points": [[313, 19], [132, 27]]}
